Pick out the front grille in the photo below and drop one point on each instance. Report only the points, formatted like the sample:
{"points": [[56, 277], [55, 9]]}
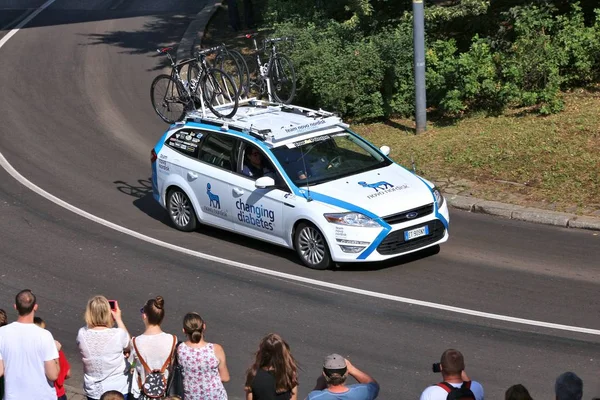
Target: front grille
{"points": [[394, 242], [401, 217]]}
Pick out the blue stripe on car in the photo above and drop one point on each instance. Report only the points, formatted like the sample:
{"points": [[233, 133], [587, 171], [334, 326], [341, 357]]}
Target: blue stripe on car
{"points": [[351, 207], [435, 205]]}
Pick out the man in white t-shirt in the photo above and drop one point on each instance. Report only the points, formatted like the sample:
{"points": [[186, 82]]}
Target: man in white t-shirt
{"points": [[452, 366], [28, 355]]}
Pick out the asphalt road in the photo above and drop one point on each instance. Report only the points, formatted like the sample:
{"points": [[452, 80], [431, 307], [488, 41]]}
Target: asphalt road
{"points": [[77, 122]]}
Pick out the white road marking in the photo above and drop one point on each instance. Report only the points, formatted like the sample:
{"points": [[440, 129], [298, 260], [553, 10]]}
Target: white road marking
{"points": [[25, 22], [15, 174]]}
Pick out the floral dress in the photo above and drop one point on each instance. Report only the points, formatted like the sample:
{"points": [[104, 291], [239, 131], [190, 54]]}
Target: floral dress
{"points": [[201, 379]]}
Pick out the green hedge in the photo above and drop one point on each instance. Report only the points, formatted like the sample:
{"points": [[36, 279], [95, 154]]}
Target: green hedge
{"points": [[367, 73]]}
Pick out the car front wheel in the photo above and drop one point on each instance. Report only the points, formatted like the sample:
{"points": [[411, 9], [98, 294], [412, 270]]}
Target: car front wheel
{"points": [[181, 211], [312, 247]]}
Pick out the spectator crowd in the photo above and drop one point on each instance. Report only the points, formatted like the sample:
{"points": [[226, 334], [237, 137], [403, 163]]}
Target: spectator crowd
{"points": [[155, 365]]}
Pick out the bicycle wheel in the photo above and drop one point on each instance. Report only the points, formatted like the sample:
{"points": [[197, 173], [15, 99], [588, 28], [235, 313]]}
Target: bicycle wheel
{"points": [[229, 63], [244, 86], [165, 94], [283, 79], [220, 93]]}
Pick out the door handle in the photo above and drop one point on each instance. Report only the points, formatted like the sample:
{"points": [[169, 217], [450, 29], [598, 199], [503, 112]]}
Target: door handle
{"points": [[192, 176], [238, 191]]}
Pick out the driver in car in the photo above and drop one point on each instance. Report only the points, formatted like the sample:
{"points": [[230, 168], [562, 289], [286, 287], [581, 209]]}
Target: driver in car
{"points": [[254, 164]]}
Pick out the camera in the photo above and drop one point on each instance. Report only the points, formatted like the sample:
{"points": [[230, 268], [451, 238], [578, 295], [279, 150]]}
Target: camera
{"points": [[436, 367]]}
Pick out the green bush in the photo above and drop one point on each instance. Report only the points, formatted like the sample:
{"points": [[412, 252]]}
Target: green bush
{"points": [[338, 69], [360, 65]]}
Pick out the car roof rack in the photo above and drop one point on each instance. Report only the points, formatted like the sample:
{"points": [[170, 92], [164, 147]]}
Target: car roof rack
{"points": [[271, 122]]}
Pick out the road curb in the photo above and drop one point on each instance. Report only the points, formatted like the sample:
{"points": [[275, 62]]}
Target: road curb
{"points": [[520, 213], [194, 33]]}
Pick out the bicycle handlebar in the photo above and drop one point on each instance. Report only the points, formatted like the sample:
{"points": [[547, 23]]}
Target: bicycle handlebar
{"points": [[210, 50], [280, 39], [164, 50]]}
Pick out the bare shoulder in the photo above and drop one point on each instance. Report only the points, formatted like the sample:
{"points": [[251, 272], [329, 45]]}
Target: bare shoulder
{"points": [[218, 348]]}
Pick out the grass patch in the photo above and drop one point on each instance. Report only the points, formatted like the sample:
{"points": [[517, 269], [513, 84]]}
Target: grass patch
{"points": [[541, 161], [553, 160]]}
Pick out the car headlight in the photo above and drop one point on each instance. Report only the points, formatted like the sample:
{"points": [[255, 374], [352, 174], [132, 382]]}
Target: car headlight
{"points": [[439, 199], [352, 219]]}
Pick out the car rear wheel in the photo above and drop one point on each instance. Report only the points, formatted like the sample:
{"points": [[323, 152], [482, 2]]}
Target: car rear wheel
{"points": [[181, 211], [312, 247]]}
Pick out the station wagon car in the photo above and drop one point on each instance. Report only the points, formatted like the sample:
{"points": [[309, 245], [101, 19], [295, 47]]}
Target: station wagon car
{"points": [[321, 189]]}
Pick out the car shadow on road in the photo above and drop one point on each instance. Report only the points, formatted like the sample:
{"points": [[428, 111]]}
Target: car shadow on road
{"points": [[392, 262], [142, 192]]}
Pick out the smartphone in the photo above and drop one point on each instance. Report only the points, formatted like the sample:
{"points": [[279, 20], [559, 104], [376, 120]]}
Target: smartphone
{"points": [[113, 304]]}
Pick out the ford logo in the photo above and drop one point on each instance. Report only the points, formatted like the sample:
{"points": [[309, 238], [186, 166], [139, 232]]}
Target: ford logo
{"points": [[411, 215]]}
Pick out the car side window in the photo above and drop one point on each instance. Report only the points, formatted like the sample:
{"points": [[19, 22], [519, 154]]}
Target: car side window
{"points": [[254, 166], [186, 141], [218, 150]]}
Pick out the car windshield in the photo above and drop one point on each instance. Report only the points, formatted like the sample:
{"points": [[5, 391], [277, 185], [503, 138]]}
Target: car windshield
{"points": [[328, 157]]}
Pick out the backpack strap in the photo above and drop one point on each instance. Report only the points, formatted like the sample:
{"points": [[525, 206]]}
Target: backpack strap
{"points": [[446, 386], [466, 384], [168, 360], [139, 356]]}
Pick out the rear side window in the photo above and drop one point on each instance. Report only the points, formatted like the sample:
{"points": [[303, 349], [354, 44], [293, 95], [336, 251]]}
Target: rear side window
{"points": [[186, 141], [218, 150]]}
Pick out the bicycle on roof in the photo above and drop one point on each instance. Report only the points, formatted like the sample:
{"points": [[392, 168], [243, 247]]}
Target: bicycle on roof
{"points": [[276, 79], [172, 96], [230, 61]]}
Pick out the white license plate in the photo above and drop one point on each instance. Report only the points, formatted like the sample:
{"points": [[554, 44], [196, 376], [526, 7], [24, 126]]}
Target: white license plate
{"points": [[415, 233]]}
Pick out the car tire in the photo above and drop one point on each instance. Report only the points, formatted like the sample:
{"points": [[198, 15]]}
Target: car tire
{"points": [[181, 211], [311, 246]]}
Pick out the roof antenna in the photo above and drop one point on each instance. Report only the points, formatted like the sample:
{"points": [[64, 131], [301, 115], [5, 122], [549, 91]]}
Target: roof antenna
{"points": [[412, 159], [308, 198]]}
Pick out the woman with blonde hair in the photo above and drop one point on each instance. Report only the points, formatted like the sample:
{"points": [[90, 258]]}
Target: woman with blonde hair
{"points": [[204, 364], [154, 346], [102, 346], [274, 374]]}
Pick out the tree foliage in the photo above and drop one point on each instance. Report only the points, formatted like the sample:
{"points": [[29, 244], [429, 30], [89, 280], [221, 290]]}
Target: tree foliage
{"points": [[356, 56]]}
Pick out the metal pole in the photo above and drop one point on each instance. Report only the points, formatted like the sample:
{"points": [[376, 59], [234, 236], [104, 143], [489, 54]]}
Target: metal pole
{"points": [[419, 50]]}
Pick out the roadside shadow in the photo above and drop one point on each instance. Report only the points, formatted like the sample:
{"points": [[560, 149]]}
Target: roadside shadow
{"points": [[400, 126], [162, 31]]}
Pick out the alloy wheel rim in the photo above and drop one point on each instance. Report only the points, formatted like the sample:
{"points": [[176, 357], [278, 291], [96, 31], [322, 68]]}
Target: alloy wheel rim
{"points": [[180, 209], [312, 245]]}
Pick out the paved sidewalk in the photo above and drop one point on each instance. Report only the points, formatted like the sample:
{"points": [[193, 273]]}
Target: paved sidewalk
{"points": [[75, 393]]}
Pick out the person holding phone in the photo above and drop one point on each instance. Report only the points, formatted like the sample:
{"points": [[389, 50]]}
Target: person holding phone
{"points": [[102, 345]]}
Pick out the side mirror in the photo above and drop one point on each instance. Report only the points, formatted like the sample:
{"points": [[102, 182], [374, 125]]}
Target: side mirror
{"points": [[264, 182], [385, 150]]}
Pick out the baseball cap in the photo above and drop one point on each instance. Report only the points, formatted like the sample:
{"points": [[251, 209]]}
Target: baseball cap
{"points": [[334, 363]]}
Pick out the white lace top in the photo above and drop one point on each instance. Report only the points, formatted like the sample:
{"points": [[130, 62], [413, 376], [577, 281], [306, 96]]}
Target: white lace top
{"points": [[104, 365]]}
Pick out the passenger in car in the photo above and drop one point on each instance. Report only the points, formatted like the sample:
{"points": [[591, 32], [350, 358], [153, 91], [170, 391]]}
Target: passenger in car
{"points": [[255, 165]]}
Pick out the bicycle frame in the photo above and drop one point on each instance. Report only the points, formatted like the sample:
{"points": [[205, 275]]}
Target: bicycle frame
{"points": [[263, 70], [192, 87]]}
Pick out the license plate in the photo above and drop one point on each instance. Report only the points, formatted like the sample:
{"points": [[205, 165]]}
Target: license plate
{"points": [[415, 233]]}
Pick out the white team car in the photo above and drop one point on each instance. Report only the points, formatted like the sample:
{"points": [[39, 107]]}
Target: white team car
{"points": [[321, 189]]}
